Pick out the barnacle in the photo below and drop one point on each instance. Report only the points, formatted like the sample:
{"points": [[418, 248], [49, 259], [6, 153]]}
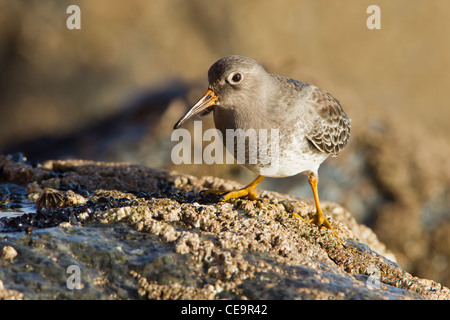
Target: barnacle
{"points": [[51, 198]]}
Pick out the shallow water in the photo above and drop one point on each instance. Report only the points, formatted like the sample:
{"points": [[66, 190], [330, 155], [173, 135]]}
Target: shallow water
{"points": [[14, 201]]}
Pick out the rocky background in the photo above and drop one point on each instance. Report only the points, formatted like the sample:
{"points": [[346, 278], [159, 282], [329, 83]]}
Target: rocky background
{"points": [[113, 90]]}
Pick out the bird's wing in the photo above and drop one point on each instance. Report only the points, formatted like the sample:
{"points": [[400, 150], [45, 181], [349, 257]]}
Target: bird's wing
{"points": [[330, 131]]}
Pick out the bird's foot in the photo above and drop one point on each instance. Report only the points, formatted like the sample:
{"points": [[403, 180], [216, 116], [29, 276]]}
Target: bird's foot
{"points": [[240, 193], [247, 192], [233, 194], [320, 221]]}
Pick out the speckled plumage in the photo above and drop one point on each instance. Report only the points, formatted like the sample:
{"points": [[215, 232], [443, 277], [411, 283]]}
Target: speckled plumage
{"points": [[331, 129]]}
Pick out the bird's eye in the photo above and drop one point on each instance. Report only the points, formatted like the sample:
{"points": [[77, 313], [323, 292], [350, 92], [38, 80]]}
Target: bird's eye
{"points": [[235, 78]]}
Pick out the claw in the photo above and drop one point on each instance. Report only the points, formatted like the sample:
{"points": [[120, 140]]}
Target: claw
{"points": [[248, 192], [240, 193]]}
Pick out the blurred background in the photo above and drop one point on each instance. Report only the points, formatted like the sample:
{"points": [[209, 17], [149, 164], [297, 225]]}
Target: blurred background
{"points": [[113, 90]]}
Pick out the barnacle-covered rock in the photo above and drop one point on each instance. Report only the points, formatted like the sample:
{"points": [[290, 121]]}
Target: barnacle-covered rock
{"points": [[161, 238]]}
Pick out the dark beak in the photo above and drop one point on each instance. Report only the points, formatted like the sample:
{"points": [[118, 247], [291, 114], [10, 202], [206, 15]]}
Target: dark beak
{"points": [[208, 100]]}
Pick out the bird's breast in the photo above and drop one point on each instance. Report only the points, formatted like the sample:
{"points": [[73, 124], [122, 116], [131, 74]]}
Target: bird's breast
{"points": [[269, 148]]}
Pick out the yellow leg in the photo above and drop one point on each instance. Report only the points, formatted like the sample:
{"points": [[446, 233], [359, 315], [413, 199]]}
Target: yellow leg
{"points": [[319, 219], [248, 191]]}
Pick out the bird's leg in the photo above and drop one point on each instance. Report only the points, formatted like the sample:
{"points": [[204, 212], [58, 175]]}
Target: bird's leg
{"points": [[319, 219], [248, 191]]}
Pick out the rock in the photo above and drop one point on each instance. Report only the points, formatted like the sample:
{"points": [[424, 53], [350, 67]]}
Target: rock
{"points": [[149, 233], [8, 253], [6, 294]]}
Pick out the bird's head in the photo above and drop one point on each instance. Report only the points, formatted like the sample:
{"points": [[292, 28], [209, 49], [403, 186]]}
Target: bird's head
{"points": [[234, 81]]}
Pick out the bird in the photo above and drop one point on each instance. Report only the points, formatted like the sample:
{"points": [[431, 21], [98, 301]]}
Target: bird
{"points": [[310, 123]]}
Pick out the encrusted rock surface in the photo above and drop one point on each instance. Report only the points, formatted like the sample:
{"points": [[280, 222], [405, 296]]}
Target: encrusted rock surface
{"points": [[163, 239], [6, 294]]}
